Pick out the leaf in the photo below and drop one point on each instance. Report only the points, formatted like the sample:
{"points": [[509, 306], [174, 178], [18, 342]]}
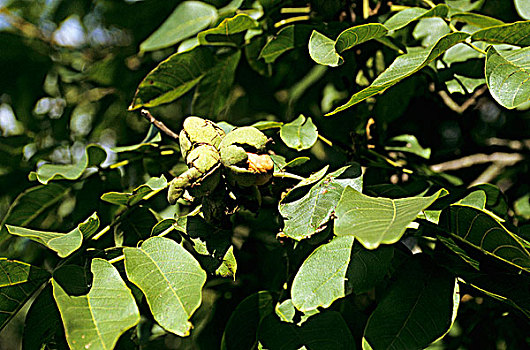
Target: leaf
{"points": [[523, 8], [63, 244], [322, 277], [213, 90], [296, 162], [286, 39], [508, 76], [481, 231], [171, 280], [465, 5], [32, 204], [100, 317], [412, 146], [141, 192], [324, 331], [419, 308], [242, 326], [189, 18], [359, 34], [94, 156], [511, 33], [402, 67], [299, 134], [38, 333], [308, 214], [367, 268], [476, 19], [150, 140], [403, 18], [173, 77], [430, 30], [322, 50], [220, 35], [18, 281], [375, 220], [267, 124], [135, 226]]}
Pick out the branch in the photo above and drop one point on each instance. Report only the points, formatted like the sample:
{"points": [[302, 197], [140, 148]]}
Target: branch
{"points": [[501, 159], [449, 102], [161, 126]]}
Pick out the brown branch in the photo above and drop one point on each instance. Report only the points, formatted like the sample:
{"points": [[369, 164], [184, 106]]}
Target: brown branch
{"points": [[161, 126], [449, 102], [501, 159]]}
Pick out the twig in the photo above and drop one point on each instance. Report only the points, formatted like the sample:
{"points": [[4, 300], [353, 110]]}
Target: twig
{"points": [[504, 159], [161, 126], [512, 144], [449, 102]]}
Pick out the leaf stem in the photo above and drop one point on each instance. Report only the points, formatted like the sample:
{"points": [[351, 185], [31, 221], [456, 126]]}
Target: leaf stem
{"points": [[288, 176], [117, 259], [325, 140], [291, 20], [161, 126], [101, 233]]}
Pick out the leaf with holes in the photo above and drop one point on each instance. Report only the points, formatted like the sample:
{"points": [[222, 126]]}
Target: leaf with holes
{"points": [[18, 282], [480, 230], [376, 220], [171, 280], [508, 76], [100, 317]]}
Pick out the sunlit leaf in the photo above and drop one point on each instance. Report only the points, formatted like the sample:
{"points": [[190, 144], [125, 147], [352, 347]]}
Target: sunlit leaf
{"points": [[412, 145], [419, 308], [173, 77], [508, 76], [308, 214], [139, 193], [189, 18], [359, 34], [94, 155], [402, 67], [403, 18], [18, 281], [322, 277], [523, 8], [241, 329], [213, 90], [220, 35], [100, 317], [62, 243], [375, 220], [481, 231], [299, 134], [322, 50], [511, 33], [324, 331], [170, 278]]}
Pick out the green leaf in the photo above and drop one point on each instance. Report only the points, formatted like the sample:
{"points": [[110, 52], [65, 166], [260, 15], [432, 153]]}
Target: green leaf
{"points": [[402, 67], [135, 225], [32, 204], [522, 206], [523, 8], [100, 317], [171, 280], [150, 140], [405, 17], [511, 33], [267, 124], [476, 199], [322, 277], [299, 134], [430, 30], [94, 156], [285, 40], [242, 326], [411, 145], [322, 50], [173, 77], [220, 35], [63, 244], [189, 18], [476, 19], [375, 220], [508, 76], [213, 90], [296, 162], [145, 191], [18, 281], [367, 268], [359, 34], [465, 5], [419, 308], [481, 231], [308, 214], [326, 331]]}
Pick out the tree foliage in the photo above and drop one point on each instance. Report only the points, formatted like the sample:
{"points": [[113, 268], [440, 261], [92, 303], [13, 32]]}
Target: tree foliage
{"points": [[367, 186]]}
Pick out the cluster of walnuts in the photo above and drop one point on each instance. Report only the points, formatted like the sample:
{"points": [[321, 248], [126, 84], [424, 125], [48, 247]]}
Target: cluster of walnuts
{"points": [[219, 164]]}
